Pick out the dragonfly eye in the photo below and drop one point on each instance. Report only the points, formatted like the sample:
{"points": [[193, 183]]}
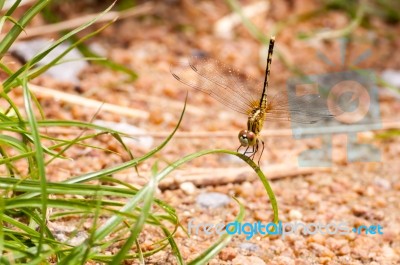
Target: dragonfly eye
{"points": [[247, 138]]}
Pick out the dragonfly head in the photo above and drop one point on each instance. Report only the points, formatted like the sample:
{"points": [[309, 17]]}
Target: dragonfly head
{"points": [[247, 138]]}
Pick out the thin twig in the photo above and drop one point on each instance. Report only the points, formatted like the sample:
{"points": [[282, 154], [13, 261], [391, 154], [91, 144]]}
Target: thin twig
{"points": [[89, 103], [76, 22], [219, 176], [188, 135], [386, 125], [172, 104], [122, 111]]}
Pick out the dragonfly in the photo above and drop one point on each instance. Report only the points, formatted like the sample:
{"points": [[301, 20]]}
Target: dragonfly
{"points": [[248, 96]]}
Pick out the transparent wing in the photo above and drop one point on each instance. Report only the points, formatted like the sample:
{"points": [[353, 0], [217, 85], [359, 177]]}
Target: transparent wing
{"points": [[239, 92], [242, 93], [309, 108]]}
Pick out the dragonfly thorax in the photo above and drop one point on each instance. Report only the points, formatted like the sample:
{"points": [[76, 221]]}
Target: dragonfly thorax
{"points": [[256, 120], [254, 125]]}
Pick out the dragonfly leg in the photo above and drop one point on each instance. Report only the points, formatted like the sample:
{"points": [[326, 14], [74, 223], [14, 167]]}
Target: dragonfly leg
{"points": [[262, 150], [246, 152], [238, 148], [256, 148], [254, 151]]}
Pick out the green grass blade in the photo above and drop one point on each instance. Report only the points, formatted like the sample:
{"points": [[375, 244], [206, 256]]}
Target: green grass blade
{"points": [[13, 34], [40, 70], [2, 4], [246, 159], [137, 228], [12, 8], [11, 81], [39, 155], [107, 63]]}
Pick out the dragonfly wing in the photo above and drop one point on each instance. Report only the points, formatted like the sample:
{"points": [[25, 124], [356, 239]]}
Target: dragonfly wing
{"points": [[222, 83], [309, 108]]}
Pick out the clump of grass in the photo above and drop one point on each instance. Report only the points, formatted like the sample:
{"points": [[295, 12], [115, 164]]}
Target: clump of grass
{"points": [[117, 211]]}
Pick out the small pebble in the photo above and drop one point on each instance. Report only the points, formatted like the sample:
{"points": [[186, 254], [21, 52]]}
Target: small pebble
{"points": [[324, 260], [345, 250], [359, 210], [283, 260], [240, 260], [383, 183], [212, 200], [335, 244], [370, 191], [364, 246], [262, 216], [388, 235], [313, 198], [249, 247], [78, 239], [317, 238], [227, 254], [295, 215], [380, 202], [188, 188], [389, 253], [322, 251], [246, 189]]}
